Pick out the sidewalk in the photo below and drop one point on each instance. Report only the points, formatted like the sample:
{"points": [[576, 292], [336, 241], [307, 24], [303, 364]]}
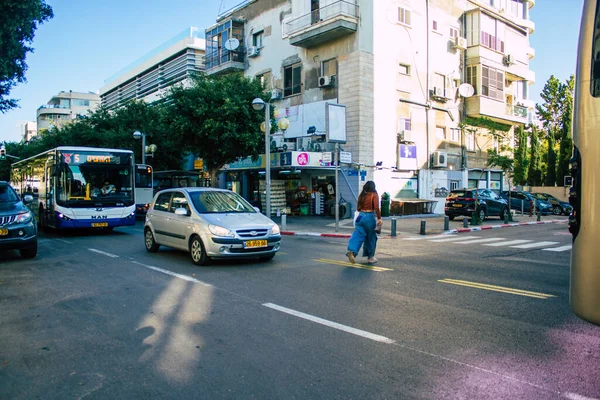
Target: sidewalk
{"points": [[406, 226]]}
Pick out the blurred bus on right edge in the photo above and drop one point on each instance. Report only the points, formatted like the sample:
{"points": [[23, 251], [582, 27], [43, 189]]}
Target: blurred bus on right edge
{"points": [[584, 223]]}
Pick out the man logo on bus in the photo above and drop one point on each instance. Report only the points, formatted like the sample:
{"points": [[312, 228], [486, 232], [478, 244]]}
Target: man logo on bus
{"points": [[67, 157]]}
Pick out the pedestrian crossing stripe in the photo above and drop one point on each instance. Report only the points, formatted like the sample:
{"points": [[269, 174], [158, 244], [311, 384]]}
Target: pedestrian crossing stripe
{"points": [[493, 242], [536, 244], [561, 248], [356, 265], [495, 288]]}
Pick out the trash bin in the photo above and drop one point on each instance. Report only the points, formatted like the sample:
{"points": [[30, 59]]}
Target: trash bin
{"points": [[304, 209], [385, 204]]}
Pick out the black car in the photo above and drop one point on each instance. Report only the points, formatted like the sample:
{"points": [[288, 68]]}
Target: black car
{"points": [[524, 201], [558, 206], [486, 203], [18, 226]]}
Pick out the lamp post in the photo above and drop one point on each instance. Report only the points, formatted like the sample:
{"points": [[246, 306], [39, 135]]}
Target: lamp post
{"points": [[137, 135], [258, 104]]}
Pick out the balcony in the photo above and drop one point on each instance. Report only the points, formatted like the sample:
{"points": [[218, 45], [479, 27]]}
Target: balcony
{"points": [[516, 111], [222, 61], [530, 52], [481, 106], [322, 25]]}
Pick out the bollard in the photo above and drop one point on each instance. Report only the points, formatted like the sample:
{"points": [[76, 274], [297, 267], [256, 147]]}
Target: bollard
{"points": [[283, 221], [423, 227], [539, 216], [446, 223], [465, 222], [393, 226], [506, 217]]}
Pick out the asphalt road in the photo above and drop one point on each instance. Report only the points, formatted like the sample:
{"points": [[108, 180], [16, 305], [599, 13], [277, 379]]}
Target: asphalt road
{"points": [[95, 315]]}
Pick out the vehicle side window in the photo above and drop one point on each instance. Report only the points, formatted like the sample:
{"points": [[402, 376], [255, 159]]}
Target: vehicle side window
{"points": [[162, 202], [518, 196], [494, 196], [179, 201], [484, 193]]}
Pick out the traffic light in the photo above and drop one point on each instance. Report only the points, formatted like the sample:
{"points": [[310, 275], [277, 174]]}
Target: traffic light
{"points": [[2, 153]]}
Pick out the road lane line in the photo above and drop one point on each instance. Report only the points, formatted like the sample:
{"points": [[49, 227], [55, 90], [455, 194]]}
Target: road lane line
{"points": [[335, 325], [425, 237], [561, 248], [509, 243], [452, 239], [486, 240], [495, 288], [536, 244], [104, 253], [175, 274], [63, 240], [348, 264]]}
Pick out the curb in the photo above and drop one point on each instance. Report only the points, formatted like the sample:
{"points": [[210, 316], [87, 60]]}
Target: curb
{"points": [[450, 232]]}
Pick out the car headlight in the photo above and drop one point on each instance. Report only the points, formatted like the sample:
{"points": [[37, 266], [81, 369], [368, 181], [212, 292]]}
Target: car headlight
{"points": [[220, 231], [275, 230], [24, 217]]}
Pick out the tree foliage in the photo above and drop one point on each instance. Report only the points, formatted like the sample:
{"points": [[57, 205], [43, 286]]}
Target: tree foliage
{"points": [[19, 20], [566, 137], [534, 173], [521, 157]]}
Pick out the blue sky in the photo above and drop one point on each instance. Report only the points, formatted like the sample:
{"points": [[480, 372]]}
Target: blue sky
{"points": [[88, 41]]}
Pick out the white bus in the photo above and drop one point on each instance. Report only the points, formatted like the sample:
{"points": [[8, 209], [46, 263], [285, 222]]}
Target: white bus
{"points": [[79, 187], [144, 192], [584, 222]]}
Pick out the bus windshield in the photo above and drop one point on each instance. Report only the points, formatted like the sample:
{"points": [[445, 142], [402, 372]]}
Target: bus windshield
{"points": [[95, 178]]}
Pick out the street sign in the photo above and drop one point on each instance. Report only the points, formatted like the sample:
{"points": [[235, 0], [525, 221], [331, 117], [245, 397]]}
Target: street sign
{"points": [[345, 157], [352, 172], [568, 181], [326, 157], [198, 163]]}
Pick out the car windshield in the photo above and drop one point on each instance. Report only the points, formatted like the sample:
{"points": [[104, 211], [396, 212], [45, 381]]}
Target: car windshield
{"points": [[220, 202], [8, 195], [460, 193]]}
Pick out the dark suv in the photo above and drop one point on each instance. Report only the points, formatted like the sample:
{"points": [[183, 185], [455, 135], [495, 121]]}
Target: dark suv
{"points": [[482, 201], [18, 227]]}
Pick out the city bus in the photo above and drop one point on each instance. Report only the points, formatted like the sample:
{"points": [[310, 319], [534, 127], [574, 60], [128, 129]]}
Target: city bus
{"points": [[144, 192], [584, 223], [79, 187]]}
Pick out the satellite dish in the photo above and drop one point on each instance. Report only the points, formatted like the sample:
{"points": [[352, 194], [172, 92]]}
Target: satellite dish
{"points": [[466, 90], [232, 44]]}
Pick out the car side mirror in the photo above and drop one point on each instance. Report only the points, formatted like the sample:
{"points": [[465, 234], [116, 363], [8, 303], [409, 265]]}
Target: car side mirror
{"points": [[181, 211], [257, 209], [27, 199]]}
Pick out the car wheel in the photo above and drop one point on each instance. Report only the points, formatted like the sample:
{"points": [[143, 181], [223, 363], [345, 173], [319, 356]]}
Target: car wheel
{"points": [[197, 251], [451, 217], [267, 258], [29, 252], [557, 210], [149, 241], [504, 214], [481, 214]]}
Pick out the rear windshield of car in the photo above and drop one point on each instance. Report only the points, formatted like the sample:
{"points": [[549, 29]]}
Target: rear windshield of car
{"points": [[8, 195], [461, 193], [220, 202]]}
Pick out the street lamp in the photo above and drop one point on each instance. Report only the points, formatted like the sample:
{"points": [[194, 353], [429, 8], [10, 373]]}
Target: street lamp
{"points": [[258, 104], [137, 135]]}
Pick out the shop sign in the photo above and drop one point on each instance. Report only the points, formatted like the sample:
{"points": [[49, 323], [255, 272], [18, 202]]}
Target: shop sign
{"points": [[326, 157], [345, 157], [407, 157], [285, 159], [244, 163], [306, 159]]}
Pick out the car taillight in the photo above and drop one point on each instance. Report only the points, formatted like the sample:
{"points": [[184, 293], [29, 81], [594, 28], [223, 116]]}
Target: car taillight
{"points": [[469, 199]]}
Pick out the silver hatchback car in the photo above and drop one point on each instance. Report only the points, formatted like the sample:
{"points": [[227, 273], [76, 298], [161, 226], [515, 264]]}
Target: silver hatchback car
{"points": [[209, 223]]}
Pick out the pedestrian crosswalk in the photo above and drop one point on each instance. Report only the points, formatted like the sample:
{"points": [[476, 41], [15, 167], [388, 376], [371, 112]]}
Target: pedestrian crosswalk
{"points": [[496, 242]]}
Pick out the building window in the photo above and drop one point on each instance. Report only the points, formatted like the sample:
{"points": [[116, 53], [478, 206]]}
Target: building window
{"points": [[81, 103], [453, 32], [329, 67], [454, 185], [257, 39], [404, 124], [454, 135], [292, 80], [470, 139], [440, 132], [404, 69], [439, 81], [492, 83], [472, 77], [434, 26], [492, 33], [265, 80], [403, 16], [495, 143]]}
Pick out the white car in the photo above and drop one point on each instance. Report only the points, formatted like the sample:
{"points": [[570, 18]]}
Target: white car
{"points": [[209, 223]]}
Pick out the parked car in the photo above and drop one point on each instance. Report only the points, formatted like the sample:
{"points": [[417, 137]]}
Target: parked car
{"points": [[484, 202], [558, 206], [520, 200], [18, 226], [209, 223]]}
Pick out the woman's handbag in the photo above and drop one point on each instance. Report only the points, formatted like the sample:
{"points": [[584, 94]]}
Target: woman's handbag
{"points": [[378, 228]]}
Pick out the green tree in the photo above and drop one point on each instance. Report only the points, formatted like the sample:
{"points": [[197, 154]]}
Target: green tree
{"points": [[566, 138], [534, 173], [506, 163], [19, 20], [520, 155], [550, 175], [214, 118], [550, 113]]}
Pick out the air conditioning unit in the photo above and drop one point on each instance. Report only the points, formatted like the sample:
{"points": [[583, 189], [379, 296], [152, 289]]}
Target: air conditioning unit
{"points": [[509, 59], [326, 81], [289, 146], [438, 93], [404, 136], [440, 159], [253, 51], [460, 43], [276, 94]]}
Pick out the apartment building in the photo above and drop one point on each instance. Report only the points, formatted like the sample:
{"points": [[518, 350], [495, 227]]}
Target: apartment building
{"points": [[428, 86], [65, 107], [28, 131], [150, 76]]}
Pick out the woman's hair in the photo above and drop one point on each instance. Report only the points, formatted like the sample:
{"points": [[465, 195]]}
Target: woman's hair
{"points": [[368, 188]]}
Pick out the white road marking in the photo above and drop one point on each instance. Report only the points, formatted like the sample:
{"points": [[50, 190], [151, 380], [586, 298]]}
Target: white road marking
{"points": [[486, 240], [425, 237], [561, 248], [452, 239], [64, 241], [104, 253], [509, 243], [175, 274], [331, 324], [536, 244]]}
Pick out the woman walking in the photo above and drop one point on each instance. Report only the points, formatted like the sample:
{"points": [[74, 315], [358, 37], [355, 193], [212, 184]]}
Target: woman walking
{"points": [[368, 219]]}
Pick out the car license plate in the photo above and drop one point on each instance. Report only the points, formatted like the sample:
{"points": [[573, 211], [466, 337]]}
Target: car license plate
{"points": [[3, 231], [457, 205], [99, 224], [255, 243]]}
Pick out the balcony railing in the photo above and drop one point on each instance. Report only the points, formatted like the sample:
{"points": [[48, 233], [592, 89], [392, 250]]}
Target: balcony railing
{"points": [[220, 56], [329, 12], [517, 111]]}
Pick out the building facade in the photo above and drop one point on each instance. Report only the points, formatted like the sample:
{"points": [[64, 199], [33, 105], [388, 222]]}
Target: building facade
{"points": [[28, 131], [65, 107], [428, 86], [150, 76]]}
